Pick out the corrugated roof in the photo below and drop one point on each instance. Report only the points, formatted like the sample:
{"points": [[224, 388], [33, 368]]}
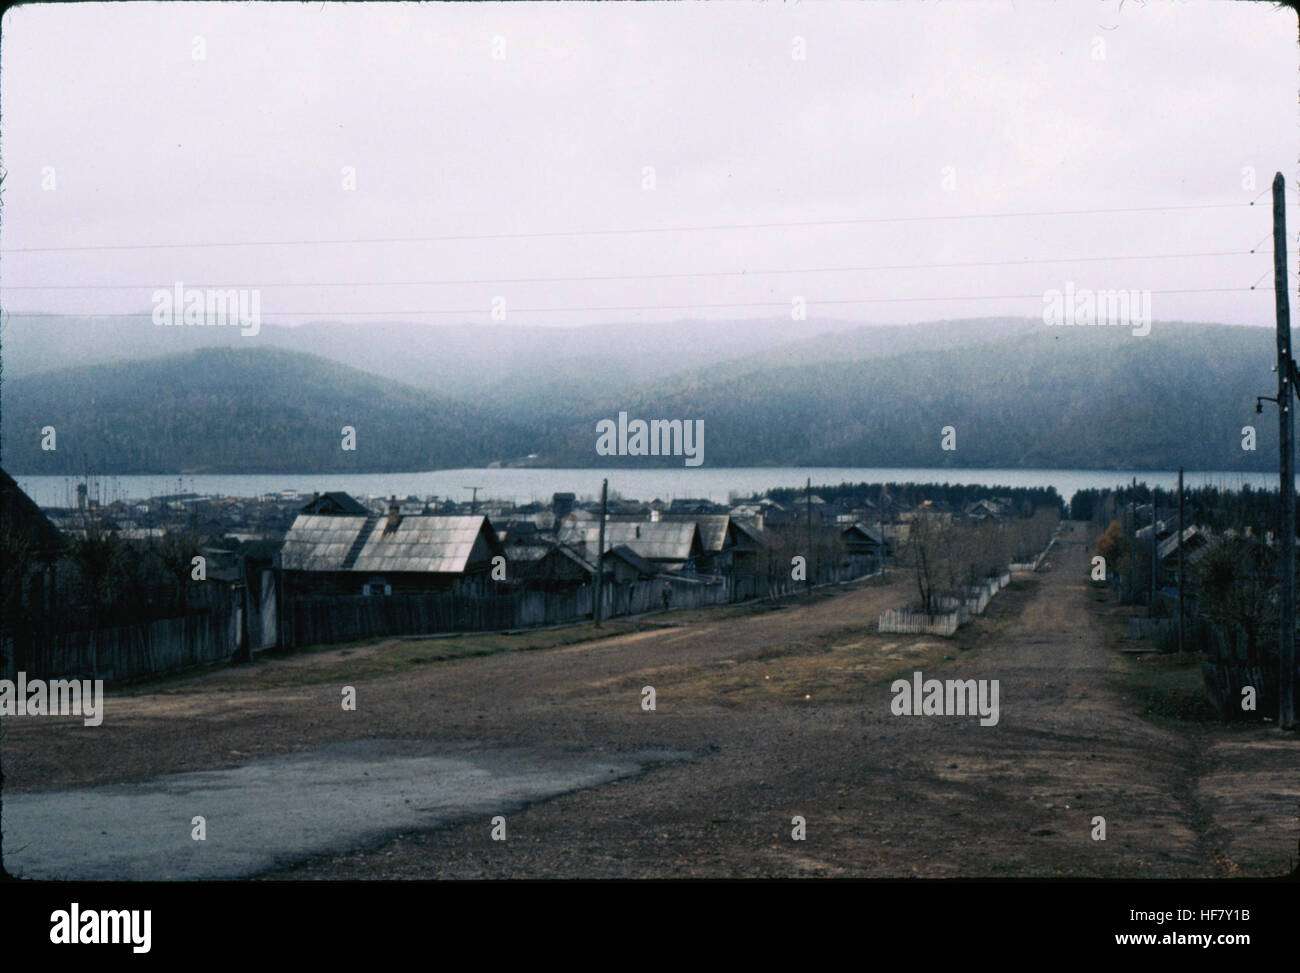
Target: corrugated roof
{"points": [[664, 540], [319, 542], [441, 545]]}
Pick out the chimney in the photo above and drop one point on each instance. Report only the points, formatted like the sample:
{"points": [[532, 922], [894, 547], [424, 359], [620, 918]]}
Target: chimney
{"points": [[582, 548], [758, 521], [394, 515]]}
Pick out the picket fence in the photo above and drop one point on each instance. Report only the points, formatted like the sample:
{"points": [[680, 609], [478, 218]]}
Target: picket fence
{"points": [[953, 612], [1036, 562]]}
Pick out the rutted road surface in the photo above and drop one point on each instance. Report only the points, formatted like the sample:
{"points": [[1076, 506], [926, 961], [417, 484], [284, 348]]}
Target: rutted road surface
{"points": [[779, 713]]}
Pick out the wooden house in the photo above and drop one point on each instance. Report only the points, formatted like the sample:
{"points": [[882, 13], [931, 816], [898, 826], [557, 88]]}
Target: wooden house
{"points": [[336, 503], [325, 553], [672, 546], [863, 540]]}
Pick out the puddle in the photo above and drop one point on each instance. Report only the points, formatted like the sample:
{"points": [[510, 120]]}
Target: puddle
{"points": [[277, 810]]}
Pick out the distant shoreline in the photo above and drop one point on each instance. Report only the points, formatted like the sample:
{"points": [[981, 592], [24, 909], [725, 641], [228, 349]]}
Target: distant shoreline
{"points": [[524, 484]]}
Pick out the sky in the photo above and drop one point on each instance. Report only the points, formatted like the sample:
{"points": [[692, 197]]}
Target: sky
{"points": [[719, 160]]}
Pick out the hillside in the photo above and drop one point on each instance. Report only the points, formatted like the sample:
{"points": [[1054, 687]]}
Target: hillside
{"points": [[1054, 398], [500, 363], [1017, 396], [241, 410]]}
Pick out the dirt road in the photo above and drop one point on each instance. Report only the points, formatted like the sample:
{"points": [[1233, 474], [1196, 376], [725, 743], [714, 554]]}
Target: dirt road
{"points": [[779, 713]]}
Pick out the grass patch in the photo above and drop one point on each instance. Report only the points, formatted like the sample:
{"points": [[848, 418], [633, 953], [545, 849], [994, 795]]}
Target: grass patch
{"points": [[1169, 687], [372, 659], [848, 664]]}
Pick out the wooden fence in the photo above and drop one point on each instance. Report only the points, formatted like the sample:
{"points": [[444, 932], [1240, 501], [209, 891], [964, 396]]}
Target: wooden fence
{"points": [[262, 617], [322, 620], [953, 613], [123, 653], [1036, 562], [919, 623]]}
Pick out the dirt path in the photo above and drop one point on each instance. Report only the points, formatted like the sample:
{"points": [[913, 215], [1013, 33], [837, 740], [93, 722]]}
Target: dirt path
{"points": [[782, 712]]}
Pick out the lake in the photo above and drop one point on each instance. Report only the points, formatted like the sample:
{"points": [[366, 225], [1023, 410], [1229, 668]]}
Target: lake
{"points": [[523, 485]]}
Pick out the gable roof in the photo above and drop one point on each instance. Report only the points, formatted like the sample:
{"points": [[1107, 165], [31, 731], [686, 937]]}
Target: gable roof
{"points": [[663, 540], [425, 544], [713, 528], [335, 502], [867, 533], [18, 512], [548, 564], [1191, 536], [630, 557]]}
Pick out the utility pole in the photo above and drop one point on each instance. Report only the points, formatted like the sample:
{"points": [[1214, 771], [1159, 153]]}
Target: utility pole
{"points": [[1286, 468], [1181, 536], [473, 503], [807, 579], [880, 524], [600, 553], [1152, 604], [1133, 543]]}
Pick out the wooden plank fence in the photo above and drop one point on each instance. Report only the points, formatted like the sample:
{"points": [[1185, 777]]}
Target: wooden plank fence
{"points": [[164, 646], [123, 653]]}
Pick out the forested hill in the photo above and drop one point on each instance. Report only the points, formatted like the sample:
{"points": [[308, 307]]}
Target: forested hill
{"points": [[241, 410], [1083, 398]]}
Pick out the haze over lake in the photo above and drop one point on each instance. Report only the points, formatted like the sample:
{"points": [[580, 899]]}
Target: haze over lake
{"points": [[523, 485]]}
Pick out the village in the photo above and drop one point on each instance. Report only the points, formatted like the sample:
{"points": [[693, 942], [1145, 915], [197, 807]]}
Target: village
{"points": [[947, 622], [136, 590], [139, 589]]}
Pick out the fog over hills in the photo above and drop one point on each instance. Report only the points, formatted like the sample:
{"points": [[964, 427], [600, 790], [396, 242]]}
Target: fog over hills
{"points": [[1016, 392]]}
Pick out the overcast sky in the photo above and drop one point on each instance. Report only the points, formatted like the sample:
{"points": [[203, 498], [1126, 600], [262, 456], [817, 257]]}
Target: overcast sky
{"points": [[1023, 107]]}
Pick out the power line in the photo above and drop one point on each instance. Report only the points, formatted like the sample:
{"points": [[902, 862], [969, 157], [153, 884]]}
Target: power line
{"points": [[812, 302], [533, 235], [1025, 261]]}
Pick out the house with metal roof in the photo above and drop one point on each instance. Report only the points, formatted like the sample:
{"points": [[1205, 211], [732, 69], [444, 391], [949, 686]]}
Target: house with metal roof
{"points": [[373, 554], [567, 567], [726, 541], [667, 545]]}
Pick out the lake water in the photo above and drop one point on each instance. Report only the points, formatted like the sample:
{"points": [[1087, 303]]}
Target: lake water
{"points": [[523, 485]]}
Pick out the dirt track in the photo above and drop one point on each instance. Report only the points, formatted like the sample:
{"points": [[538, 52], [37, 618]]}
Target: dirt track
{"points": [[787, 712]]}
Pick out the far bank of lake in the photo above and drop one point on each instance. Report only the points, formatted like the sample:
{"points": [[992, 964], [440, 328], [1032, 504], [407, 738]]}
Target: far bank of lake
{"points": [[524, 485]]}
